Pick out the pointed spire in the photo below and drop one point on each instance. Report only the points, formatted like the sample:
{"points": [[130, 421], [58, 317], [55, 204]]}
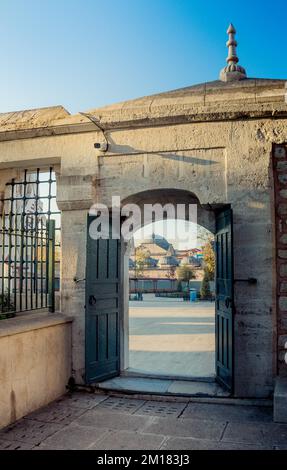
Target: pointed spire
{"points": [[232, 71]]}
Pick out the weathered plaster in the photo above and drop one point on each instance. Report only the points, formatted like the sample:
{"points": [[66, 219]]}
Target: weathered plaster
{"points": [[35, 363], [213, 141]]}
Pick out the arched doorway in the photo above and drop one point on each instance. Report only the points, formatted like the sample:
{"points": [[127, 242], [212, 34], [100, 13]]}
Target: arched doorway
{"points": [[107, 287], [171, 302]]}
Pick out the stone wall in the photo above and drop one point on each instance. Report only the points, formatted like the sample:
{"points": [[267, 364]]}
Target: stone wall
{"points": [[35, 363], [280, 191], [220, 163], [225, 162]]}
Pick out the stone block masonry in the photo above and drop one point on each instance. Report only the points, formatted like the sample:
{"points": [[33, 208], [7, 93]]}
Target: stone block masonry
{"points": [[280, 199]]}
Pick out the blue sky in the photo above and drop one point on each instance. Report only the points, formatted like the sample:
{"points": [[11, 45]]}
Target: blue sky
{"points": [[88, 53]]}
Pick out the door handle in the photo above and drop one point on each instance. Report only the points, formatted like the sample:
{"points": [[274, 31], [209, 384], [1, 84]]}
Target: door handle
{"points": [[92, 300]]}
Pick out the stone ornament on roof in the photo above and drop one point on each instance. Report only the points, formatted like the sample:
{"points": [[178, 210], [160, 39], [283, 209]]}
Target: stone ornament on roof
{"points": [[232, 71]]}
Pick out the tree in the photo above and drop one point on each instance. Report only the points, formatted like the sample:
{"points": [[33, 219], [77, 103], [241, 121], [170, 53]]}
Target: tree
{"points": [[141, 257], [205, 288], [185, 273], [208, 260]]}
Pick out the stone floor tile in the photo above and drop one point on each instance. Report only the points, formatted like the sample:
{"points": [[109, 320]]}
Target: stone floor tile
{"points": [[58, 412], [83, 399], [275, 434], [109, 420], [15, 445], [28, 430], [201, 429], [121, 405], [86, 421], [270, 434], [165, 334], [162, 409], [124, 440], [73, 437], [232, 413], [202, 444]]}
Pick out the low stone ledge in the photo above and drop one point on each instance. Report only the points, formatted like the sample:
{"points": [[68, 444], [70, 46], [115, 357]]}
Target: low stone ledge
{"points": [[32, 321], [35, 352]]}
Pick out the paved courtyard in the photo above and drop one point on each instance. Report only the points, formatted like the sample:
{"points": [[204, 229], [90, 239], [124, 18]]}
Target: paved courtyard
{"points": [[172, 337], [102, 422]]}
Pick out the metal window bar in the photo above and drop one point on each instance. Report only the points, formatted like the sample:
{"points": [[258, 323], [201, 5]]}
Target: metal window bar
{"points": [[27, 244]]}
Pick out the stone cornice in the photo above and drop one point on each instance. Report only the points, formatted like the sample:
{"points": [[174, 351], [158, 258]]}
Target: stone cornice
{"points": [[55, 130], [160, 116]]}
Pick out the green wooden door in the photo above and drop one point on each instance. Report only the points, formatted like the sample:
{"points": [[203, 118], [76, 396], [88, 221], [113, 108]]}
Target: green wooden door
{"points": [[224, 298], [102, 307]]}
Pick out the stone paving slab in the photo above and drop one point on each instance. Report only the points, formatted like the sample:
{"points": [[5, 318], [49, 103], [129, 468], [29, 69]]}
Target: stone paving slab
{"points": [[269, 434], [59, 412], [88, 421], [15, 445], [172, 338], [202, 429], [73, 437], [83, 399], [228, 412], [109, 420], [206, 444], [118, 440], [28, 430], [121, 405], [161, 408]]}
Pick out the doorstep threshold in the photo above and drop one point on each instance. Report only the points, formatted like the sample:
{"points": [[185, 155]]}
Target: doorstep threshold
{"points": [[160, 386], [150, 375]]}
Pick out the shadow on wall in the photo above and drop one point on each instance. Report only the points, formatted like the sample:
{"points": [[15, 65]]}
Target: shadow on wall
{"points": [[128, 150]]}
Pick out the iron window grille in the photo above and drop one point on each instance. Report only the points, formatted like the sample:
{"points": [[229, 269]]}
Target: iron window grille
{"points": [[30, 243]]}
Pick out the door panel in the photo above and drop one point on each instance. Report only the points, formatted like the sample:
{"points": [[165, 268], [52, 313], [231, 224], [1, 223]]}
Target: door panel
{"points": [[224, 298], [102, 308]]}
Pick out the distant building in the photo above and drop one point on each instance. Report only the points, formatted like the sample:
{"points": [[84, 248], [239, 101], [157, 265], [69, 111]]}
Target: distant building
{"points": [[162, 259]]}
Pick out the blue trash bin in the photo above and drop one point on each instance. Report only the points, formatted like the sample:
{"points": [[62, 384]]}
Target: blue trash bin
{"points": [[192, 295]]}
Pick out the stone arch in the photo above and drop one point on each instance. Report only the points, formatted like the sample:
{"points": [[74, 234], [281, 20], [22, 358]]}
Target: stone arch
{"points": [[205, 212]]}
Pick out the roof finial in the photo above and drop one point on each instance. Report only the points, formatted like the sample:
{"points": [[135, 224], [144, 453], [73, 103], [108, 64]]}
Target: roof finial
{"points": [[232, 71]]}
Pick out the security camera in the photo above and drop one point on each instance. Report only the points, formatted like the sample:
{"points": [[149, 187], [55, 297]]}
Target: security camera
{"points": [[102, 146]]}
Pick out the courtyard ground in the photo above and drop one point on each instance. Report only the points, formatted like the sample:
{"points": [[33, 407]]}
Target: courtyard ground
{"points": [[102, 422], [172, 337]]}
